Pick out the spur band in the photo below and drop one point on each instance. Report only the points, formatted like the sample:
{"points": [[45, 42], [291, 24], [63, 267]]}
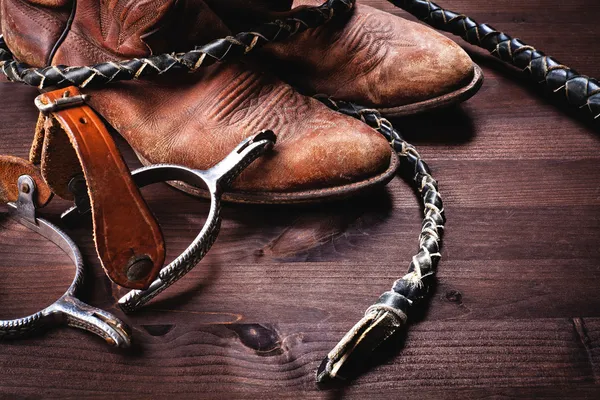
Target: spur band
{"points": [[68, 310], [215, 180]]}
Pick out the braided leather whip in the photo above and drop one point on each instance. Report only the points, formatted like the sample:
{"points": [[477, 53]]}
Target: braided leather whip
{"points": [[578, 90], [389, 314]]}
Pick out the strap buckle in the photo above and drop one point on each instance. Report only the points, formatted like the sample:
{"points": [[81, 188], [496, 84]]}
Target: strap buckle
{"points": [[67, 101]]}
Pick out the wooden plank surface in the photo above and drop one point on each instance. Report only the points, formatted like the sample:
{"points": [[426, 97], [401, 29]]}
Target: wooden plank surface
{"points": [[516, 312]]}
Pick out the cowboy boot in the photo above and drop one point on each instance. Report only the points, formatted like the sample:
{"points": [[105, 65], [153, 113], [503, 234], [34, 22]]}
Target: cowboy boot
{"points": [[197, 119], [368, 57]]}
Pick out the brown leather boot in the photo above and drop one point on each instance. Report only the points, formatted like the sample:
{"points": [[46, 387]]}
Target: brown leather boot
{"points": [[197, 119], [369, 57]]}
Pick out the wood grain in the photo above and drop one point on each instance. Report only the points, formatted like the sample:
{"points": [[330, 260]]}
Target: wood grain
{"points": [[515, 313]]}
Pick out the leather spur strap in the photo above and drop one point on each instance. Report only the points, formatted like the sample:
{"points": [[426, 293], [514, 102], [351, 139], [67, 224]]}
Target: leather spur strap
{"points": [[72, 143], [11, 168]]}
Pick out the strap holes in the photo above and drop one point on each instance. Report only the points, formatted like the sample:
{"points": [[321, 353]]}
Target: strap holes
{"points": [[83, 120]]}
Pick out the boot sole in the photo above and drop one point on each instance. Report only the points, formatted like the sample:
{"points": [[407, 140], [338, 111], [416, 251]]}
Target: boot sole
{"points": [[307, 196], [449, 99]]}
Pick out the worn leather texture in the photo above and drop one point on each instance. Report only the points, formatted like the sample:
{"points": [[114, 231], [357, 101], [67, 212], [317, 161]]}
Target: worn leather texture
{"points": [[11, 168], [577, 90], [195, 120], [124, 228], [139, 67], [365, 55], [44, 21], [369, 57]]}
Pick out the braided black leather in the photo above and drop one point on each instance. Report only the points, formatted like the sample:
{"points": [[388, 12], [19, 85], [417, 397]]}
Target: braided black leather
{"points": [[202, 56], [390, 312], [414, 286], [578, 90]]}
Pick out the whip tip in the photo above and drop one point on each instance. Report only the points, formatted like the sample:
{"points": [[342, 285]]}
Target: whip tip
{"points": [[356, 348]]}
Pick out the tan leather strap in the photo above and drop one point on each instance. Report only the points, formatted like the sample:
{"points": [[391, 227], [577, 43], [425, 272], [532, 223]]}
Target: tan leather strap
{"points": [[127, 236], [11, 168]]}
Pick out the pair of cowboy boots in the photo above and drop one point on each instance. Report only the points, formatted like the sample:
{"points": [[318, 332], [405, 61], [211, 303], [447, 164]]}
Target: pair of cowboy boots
{"points": [[368, 56]]}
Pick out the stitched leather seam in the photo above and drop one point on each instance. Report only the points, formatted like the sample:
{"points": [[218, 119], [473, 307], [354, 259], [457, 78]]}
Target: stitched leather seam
{"points": [[64, 34]]}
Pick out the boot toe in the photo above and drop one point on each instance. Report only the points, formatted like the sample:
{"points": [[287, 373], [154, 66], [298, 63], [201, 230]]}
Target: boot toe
{"points": [[337, 154], [430, 65], [373, 58]]}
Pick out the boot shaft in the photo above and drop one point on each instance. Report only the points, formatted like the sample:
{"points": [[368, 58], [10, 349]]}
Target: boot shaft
{"points": [[78, 32]]}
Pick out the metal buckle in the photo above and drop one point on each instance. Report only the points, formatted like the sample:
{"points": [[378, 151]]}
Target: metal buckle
{"points": [[67, 101]]}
